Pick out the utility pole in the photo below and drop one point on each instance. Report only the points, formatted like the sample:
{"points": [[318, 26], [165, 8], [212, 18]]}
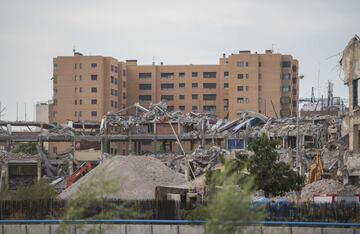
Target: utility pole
{"points": [[298, 159]]}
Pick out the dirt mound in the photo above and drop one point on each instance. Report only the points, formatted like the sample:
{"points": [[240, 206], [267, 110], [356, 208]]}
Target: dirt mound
{"points": [[327, 186], [137, 177]]}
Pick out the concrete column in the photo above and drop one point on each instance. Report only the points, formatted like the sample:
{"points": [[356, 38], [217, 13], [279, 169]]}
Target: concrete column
{"points": [[39, 168], [179, 132], [71, 167], [155, 138]]}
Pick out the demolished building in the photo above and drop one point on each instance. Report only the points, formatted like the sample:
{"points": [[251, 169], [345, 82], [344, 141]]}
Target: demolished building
{"points": [[350, 63]]}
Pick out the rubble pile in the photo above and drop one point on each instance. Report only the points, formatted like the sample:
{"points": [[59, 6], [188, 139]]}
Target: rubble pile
{"points": [[7, 156], [137, 177], [327, 186], [158, 113]]}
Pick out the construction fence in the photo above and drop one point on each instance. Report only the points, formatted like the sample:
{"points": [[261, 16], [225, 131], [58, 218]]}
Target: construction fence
{"points": [[174, 210]]}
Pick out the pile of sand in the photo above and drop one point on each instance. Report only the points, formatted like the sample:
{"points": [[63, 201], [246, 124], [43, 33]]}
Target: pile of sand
{"points": [[137, 177]]}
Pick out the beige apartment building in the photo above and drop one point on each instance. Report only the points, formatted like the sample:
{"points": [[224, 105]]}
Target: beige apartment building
{"points": [[87, 87]]}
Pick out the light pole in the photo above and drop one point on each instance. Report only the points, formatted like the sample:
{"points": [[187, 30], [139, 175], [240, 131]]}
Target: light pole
{"points": [[298, 161]]}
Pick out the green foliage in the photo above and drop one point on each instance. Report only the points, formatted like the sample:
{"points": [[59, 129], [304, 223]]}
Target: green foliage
{"points": [[26, 148], [230, 207], [40, 190], [273, 177], [90, 203]]}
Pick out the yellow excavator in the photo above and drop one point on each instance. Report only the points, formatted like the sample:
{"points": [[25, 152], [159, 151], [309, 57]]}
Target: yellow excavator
{"points": [[317, 172]]}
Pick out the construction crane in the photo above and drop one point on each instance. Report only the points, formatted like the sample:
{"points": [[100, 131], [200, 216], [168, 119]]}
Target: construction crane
{"points": [[81, 171]]}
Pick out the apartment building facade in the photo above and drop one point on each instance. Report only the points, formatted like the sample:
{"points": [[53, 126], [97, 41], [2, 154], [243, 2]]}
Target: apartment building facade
{"points": [[87, 87]]}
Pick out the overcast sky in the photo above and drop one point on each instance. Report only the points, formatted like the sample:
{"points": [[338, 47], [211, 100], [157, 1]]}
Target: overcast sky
{"points": [[175, 32]]}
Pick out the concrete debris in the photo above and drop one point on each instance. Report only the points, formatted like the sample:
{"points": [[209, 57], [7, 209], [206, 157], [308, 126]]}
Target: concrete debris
{"points": [[137, 177], [327, 186]]}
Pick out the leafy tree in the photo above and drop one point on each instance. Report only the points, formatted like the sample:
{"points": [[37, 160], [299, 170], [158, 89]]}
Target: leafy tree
{"points": [[26, 148], [40, 190], [273, 177], [230, 209]]}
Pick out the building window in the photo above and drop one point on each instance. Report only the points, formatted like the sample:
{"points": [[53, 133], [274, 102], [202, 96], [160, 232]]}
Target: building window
{"points": [[124, 95], [80, 65], [75, 102], [240, 64], [115, 69], [124, 73], [211, 97], [294, 68], [115, 81], [240, 76], [112, 103], [75, 77], [194, 74], [145, 75], [80, 90], [80, 113], [285, 88], [286, 64], [115, 93], [145, 86], [259, 87], [124, 84], [93, 113], [294, 80], [194, 96], [226, 74], [112, 67], [75, 66], [226, 85], [75, 90], [167, 97], [181, 85], [194, 108], [294, 91], [80, 101], [194, 85], [181, 97], [170, 108], [112, 92], [181, 74], [93, 77], [247, 76], [209, 85], [55, 67], [145, 97], [260, 76], [93, 101], [167, 75], [259, 64], [209, 75], [240, 88], [94, 90], [209, 108], [294, 104], [112, 79], [93, 65], [240, 100], [80, 77], [166, 86], [182, 108], [285, 76]]}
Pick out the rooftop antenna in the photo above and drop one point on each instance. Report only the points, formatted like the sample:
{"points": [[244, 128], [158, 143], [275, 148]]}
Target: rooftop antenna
{"points": [[318, 81], [74, 49], [25, 110], [153, 62], [272, 48]]}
